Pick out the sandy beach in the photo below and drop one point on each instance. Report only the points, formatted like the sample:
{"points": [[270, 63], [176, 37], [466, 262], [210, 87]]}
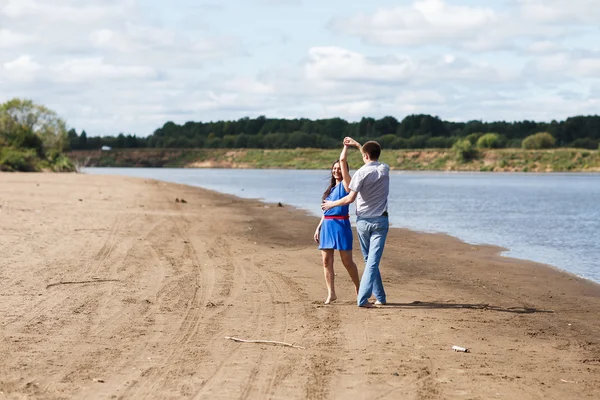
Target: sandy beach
{"points": [[110, 288]]}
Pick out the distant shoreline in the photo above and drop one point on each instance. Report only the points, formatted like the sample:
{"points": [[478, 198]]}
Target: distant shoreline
{"points": [[499, 160]]}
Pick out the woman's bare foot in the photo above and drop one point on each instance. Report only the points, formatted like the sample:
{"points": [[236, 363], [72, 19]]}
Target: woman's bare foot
{"points": [[331, 298]]}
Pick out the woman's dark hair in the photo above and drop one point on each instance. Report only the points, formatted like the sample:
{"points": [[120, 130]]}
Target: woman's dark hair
{"points": [[332, 181]]}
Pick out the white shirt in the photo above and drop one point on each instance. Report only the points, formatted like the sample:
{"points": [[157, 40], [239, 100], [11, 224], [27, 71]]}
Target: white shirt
{"points": [[372, 183]]}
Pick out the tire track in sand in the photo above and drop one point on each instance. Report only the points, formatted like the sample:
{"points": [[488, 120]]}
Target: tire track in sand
{"points": [[253, 322], [96, 303], [44, 307], [263, 374], [204, 278]]}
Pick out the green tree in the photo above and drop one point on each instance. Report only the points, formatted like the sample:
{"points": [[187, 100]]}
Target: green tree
{"points": [[541, 140], [489, 141], [228, 141], [365, 127], [421, 124], [21, 137], [32, 137], [418, 141], [464, 151], [19, 116], [386, 126], [474, 137], [439, 142], [120, 142], [400, 143], [83, 140], [241, 141], [387, 141], [417, 130], [584, 143], [300, 140], [73, 139]]}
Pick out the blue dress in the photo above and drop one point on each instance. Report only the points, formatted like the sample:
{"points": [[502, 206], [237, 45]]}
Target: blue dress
{"points": [[336, 231]]}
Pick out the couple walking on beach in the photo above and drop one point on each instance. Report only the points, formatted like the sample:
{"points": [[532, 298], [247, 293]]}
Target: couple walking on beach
{"points": [[370, 188]]}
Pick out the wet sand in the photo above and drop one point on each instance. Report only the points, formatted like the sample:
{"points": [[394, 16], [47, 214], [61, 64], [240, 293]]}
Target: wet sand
{"points": [[109, 288]]}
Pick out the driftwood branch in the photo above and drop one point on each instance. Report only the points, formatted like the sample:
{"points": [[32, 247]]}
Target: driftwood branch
{"points": [[81, 282], [264, 341]]}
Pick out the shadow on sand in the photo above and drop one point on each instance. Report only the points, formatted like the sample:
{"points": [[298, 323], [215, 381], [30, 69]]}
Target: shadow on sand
{"points": [[434, 305], [487, 307]]}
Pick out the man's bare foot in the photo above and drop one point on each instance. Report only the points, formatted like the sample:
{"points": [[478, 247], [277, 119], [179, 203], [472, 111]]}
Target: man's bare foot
{"points": [[330, 299]]}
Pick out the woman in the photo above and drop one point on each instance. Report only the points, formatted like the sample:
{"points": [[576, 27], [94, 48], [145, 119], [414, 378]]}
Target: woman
{"points": [[334, 231]]}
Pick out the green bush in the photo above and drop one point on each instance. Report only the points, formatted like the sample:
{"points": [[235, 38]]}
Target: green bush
{"points": [[62, 163], [20, 137], [400, 143], [585, 143], [464, 151], [489, 141], [514, 144], [439, 142], [541, 140], [417, 141], [387, 141], [23, 160], [474, 137]]}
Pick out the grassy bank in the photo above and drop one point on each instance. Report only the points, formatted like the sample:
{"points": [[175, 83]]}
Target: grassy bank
{"points": [[508, 160]]}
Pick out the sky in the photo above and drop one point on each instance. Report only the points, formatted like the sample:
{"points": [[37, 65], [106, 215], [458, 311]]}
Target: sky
{"points": [[110, 66]]}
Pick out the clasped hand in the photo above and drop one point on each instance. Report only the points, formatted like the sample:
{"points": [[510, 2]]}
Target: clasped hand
{"points": [[326, 205], [348, 141]]}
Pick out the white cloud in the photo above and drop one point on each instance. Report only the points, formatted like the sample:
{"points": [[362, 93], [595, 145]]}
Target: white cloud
{"points": [[86, 69], [544, 47], [248, 85], [104, 37], [9, 38], [588, 67], [560, 11], [334, 64], [473, 28], [282, 2], [114, 29], [424, 22], [565, 66], [77, 11], [355, 109], [338, 64], [428, 96], [334, 81], [22, 69]]}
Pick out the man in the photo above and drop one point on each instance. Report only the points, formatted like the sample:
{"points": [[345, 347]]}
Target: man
{"points": [[370, 187]]}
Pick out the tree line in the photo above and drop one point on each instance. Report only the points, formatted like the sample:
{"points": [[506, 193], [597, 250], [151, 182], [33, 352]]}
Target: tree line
{"points": [[413, 132], [32, 138]]}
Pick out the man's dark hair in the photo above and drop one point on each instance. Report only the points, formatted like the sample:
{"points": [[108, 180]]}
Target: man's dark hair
{"points": [[373, 149]]}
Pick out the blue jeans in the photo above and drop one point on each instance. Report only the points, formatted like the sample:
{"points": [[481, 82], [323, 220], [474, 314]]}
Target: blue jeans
{"points": [[372, 233]]}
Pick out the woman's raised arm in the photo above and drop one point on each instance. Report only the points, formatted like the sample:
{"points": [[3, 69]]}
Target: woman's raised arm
{"points": [[345, 169]]}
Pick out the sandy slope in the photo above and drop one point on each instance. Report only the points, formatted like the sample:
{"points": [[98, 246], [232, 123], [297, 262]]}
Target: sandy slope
{"points": [[111, 289]]}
